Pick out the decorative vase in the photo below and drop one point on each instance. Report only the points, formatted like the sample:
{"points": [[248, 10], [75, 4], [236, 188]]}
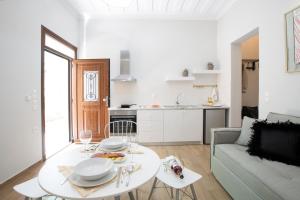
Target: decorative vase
{"points": [[215, 94], [210, 66], [185, 72]]}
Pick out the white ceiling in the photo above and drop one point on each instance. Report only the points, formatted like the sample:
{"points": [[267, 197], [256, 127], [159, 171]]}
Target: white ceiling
{"points": [[173, 9]]}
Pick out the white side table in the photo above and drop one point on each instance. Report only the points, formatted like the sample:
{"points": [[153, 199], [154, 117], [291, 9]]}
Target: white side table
{"points": [[173, 181]]}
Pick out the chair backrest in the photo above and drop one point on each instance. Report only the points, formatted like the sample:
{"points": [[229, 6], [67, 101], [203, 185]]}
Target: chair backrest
{"points": [[120, 128]]}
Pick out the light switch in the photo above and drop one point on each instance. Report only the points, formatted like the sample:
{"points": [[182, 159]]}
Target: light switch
{"points": [[267, 97], [28, 98]]}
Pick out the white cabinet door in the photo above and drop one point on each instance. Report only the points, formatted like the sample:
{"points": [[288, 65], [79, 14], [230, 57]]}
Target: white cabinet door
{"points": [[150, 126], [173, 126], [193, 125]]}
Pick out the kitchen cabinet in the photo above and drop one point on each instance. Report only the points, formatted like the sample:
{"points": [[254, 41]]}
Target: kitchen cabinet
{"points": [[183, 125], [179, 125], [173, 126], [193, 125], [150, 126]]}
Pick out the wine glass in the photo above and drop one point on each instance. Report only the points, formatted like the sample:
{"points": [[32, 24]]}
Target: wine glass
{"points": [[85, 137], [132, 142]]}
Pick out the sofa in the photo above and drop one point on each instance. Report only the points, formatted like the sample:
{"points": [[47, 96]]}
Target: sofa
{"points": [[247, 177]]}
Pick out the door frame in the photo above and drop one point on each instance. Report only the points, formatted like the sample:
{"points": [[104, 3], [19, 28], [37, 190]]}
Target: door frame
{"points": [[236, 79], [45, 31]]}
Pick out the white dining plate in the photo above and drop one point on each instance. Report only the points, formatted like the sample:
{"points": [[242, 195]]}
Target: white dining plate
{"points": [[112, 150], [78, 181], [113, 143], [93, 168]]}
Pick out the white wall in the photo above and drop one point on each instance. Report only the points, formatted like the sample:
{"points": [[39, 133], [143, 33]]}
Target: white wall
{"points": [[158, 48], [279, 91], [20, 52], [250, 50]]}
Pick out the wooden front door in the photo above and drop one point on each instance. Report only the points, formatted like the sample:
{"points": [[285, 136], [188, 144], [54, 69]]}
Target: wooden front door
{"points": [[90, 97]]}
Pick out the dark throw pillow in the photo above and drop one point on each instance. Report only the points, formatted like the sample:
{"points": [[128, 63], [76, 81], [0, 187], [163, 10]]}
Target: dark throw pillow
{"points": [[276, 141]]}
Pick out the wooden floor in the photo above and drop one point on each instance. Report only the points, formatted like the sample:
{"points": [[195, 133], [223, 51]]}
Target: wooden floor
{"points": [[195, 157]]}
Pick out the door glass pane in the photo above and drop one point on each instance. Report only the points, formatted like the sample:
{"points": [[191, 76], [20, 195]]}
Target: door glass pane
{"points": [[90, 85], [58, 46], [56, 89]]}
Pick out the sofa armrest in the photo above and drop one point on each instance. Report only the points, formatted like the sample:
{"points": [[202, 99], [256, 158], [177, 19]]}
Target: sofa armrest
{"points": [[223, 136]]}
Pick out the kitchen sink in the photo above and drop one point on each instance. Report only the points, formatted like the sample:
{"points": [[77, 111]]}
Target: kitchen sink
{"points": [[180, 106]]}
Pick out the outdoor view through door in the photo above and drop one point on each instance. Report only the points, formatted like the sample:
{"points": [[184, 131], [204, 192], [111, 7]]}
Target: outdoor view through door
{"points": [[57, 55], [57, 126]]}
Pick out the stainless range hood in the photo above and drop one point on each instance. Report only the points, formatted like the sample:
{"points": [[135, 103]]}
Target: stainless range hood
{"points": [[124, 68]]}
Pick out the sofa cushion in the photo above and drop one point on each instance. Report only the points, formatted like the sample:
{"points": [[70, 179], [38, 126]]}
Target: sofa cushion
{"points": [[246, 131], [278, 141], [268, 179], [275, 117]]}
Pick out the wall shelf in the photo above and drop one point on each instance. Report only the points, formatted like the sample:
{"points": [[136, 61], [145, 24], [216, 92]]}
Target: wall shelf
{"points": [[199, 72], [180, 78], [204, 85]]}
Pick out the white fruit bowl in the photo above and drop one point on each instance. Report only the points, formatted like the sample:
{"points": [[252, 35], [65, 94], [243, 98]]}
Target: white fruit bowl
{"points": [[93, 168]]}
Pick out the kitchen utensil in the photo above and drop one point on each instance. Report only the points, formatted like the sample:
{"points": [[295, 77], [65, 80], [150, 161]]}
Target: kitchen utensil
{"points": [[119, 176], [130, 169]]}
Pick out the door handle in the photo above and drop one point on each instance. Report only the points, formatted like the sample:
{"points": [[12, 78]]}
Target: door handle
{"points": [[105, 100]]}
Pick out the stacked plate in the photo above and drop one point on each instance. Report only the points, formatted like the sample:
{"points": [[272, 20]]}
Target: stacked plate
{"points": [[93, 172], [113, 144]]}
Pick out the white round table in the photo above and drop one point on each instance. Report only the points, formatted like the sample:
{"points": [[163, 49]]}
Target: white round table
{"points": [[50, 178]]}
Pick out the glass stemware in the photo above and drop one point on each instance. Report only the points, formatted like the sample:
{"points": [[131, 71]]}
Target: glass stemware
{"points": [[85, 137], [131, 141]]}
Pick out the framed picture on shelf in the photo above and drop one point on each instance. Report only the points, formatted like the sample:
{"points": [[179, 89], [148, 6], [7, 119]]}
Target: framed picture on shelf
{"points": [[292, 21]]}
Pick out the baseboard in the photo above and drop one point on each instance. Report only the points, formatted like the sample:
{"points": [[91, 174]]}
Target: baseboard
{"points": [[170, 143], [11, 179]]}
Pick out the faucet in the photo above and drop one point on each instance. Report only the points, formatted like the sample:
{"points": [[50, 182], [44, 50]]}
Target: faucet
{"points": [[177, 98]]}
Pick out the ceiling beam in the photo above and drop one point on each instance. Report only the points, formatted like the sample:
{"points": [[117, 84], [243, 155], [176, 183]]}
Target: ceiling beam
{"points": [[167, 5], [137, 6], [182, 4]]}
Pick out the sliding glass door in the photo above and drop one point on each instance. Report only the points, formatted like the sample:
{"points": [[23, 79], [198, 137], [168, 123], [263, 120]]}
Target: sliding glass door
{"points": [[56, 58]]}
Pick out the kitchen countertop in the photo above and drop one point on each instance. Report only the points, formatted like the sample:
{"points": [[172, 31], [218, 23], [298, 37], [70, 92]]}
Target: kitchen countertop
{"points": [[191, 107]]}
